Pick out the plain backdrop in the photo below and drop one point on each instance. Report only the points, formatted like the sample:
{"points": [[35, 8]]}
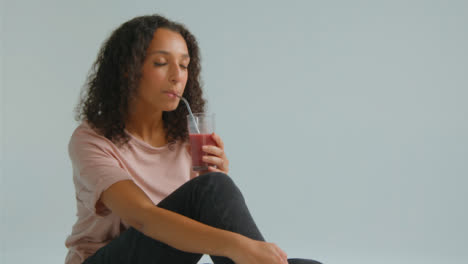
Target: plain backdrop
{"points": [[346, 122]]}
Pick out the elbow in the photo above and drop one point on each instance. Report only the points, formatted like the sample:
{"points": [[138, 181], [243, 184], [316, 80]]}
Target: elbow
{"points": [[134, 222], [141, 220], [138, 225]]}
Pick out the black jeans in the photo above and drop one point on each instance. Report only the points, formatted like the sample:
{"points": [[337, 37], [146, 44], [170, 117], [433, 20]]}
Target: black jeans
{"points": [[212, 199]]}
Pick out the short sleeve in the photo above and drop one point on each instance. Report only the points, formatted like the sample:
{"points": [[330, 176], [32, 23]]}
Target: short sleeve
{"points": [[95, 167]]}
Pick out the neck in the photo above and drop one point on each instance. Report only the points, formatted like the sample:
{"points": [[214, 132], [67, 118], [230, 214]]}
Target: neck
{"points": [[147, 127]]}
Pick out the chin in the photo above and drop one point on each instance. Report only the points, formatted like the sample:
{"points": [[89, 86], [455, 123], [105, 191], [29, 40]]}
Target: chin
{"points": [[170, 108]]}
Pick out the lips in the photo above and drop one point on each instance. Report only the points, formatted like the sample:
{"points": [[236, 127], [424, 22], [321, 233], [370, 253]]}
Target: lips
{"points": [[171, 93]]}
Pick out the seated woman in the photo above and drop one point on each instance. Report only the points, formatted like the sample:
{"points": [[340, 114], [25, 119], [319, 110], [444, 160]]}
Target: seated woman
{"points": [[138, 199]]}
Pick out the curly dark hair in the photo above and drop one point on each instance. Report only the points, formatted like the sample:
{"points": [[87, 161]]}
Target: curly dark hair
{"points": [[114, 78]]}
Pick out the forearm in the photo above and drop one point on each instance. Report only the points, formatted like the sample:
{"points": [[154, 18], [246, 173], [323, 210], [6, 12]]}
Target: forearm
{"points": [[188, 235]]}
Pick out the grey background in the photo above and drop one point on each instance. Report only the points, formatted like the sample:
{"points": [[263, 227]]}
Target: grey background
{"points": [[345, 121]]}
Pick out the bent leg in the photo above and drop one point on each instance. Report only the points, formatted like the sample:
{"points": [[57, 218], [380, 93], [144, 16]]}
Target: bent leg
{"points": [[212, 199], [215, 200]]}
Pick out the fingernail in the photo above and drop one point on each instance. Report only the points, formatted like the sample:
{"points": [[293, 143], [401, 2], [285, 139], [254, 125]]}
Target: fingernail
{"points": [[204, 148]]}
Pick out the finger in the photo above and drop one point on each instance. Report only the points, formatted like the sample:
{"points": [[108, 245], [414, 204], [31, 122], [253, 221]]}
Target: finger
{"points": [[222, 164], [218, 152], [281, 259], [213, 150], [219, 162], [283, 254], [218, 140], [224, 169], [284, 260], [213, 169]]}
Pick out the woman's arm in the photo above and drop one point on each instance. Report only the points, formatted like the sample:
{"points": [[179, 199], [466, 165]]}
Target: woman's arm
{"points": [[129, 202]]}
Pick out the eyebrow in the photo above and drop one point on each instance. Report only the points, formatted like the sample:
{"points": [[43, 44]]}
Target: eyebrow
{"points": [[185, 55]]}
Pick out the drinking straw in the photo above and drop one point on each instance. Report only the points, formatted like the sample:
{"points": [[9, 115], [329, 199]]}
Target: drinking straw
{"points": [[190, 112]]}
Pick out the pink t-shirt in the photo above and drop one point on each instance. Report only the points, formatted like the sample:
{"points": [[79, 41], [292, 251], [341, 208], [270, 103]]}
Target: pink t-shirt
{"points": [[97, 164]]}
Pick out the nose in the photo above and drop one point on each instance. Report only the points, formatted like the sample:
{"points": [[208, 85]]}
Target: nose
{"points": [[176, 74]]}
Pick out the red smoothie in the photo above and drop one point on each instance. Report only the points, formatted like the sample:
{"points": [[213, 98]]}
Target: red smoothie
{"points": [[196, 143]]}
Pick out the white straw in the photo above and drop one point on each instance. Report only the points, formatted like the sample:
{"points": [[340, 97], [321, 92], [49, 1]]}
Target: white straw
{"points": [[191, 114]]}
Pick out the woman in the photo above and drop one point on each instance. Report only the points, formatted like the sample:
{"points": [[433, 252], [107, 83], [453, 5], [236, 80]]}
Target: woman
{"points": [[130, 153]]}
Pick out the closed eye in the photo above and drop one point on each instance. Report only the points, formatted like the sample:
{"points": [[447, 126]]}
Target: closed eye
{"points": [[162, 64]]}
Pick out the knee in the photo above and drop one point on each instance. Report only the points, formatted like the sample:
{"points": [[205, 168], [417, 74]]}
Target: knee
{"points": [[217, 180]]}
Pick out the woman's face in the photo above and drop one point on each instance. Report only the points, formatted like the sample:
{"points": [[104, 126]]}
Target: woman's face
{"points": [[164, 72]]}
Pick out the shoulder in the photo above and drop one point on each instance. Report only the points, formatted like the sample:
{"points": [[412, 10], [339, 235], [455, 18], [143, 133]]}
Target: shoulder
{"points": [[85, 141], [84, 134]]}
